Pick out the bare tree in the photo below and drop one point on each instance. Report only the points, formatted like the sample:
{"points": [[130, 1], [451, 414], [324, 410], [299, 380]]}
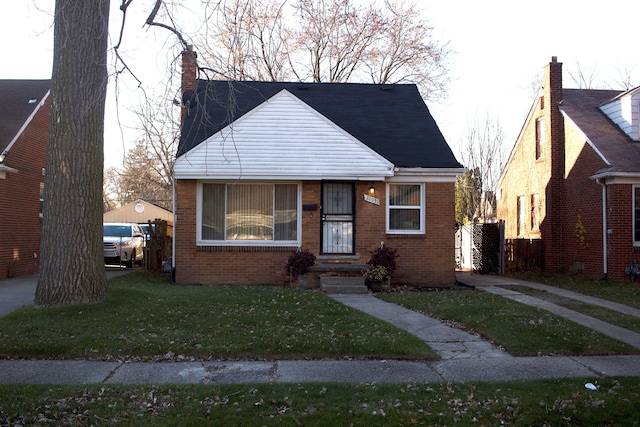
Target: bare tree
{"points": [[147, 170], [329, 41], [406, 51], [584, 77], [625, 78], [485, 151], [72, 265], [142, 177]]}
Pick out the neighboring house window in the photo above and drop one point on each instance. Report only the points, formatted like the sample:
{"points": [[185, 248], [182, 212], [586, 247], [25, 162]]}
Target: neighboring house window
{"points": [[405, 208], [41, 198], [540, 138], [636, 216], [249, 213], [542, 102], [535, 212], [520, 219]]}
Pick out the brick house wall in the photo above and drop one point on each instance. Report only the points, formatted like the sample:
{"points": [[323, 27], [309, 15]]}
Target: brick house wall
{"points": [[20, 221], [581, 249], [572, 201], [621, 251], [423, 259]]}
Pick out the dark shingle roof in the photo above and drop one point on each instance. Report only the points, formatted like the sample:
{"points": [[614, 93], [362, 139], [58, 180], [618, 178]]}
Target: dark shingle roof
{"points": [[581, 105], [393, 120], [15, 107]]}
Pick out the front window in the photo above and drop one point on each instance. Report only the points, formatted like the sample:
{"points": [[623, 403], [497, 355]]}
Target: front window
{"points": [[249, 213], [405, 208]]}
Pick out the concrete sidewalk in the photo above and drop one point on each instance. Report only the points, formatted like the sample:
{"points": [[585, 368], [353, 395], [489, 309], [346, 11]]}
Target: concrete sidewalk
{"points": [[464, 356]]}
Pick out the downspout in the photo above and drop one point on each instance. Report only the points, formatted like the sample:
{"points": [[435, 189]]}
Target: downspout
{"points": [[605, 233]]}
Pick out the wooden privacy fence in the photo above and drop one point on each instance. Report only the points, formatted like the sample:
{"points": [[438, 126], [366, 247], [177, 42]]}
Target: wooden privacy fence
{"points": [[524, 254]]}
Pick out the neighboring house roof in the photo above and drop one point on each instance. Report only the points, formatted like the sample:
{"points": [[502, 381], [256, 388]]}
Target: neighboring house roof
{"points": [[616, 148], [19, 99], [139, 211], [392, 120]]}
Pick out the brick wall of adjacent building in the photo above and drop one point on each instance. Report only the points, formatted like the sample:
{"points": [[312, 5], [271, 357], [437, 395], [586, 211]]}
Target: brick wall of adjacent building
{"points": [[423, 259], [621, 251], [20, 222]]}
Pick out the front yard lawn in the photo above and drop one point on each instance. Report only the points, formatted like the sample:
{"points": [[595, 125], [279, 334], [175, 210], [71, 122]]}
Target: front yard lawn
{"points": [[145, 318], [564, 402]]}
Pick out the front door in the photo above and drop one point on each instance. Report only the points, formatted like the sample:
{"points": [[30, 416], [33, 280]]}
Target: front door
{"points": [[338, 214]]}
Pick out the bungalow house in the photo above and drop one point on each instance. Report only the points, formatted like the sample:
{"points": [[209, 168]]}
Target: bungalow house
{"points": [[24, 125], [573, 179], [264, 169]]}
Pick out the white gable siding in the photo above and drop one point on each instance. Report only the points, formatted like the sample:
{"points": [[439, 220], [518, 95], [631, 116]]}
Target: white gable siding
{"points": [[625, 112], [283, 138]]}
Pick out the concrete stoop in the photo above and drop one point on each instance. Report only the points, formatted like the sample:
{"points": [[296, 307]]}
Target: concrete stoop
{"points": [[343, 285]]}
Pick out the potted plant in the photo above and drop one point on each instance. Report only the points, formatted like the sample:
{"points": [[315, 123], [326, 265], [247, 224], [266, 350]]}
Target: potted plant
{"points": [[385, 257], [374, 275]]}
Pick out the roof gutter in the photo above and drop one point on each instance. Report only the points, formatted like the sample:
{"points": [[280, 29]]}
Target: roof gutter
{"points": [[4, 169]]}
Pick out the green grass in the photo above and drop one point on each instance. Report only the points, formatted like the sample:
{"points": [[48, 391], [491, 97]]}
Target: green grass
{"points": [[622, 292], [541, 403], [522, 330], [145, 318], [610, 316]]}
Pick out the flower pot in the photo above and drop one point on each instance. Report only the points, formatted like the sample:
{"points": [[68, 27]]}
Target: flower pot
{"points": [[375, 285]]}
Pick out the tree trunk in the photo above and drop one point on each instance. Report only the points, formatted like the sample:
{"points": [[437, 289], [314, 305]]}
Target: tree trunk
{"points": [[72, 258]]}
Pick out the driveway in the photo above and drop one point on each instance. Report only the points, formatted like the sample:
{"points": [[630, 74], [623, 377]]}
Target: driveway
{"points": [[20, 291]]}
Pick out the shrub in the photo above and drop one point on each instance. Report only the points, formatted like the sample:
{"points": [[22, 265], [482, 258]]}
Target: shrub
{"points": [[300, 262], [384, 256]]}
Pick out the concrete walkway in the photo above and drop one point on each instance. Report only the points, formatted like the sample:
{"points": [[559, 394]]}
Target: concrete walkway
{"points": [[497, 285], [464, 357]]}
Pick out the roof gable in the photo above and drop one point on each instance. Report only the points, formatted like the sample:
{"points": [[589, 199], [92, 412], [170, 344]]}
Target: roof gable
{"points": [[282, 138], [392, 120], [19, 100], [581, 106]]}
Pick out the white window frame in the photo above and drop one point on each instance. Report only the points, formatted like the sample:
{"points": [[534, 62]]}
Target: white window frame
{"points": [[422, 208], [283, 243]]}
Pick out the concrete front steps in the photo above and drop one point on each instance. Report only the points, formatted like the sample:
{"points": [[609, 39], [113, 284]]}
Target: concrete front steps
{"points": [[343, 285], [337, 275]]}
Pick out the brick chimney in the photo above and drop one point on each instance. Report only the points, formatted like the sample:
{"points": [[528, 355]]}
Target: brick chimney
{"points": [[189, 75], [555, 189]]}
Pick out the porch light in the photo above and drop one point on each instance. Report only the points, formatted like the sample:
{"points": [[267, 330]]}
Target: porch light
{"points": [[372, 190]]}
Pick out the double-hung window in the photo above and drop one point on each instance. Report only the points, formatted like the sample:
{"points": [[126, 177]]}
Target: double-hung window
{"points": [[405, 208], [249, 214]]}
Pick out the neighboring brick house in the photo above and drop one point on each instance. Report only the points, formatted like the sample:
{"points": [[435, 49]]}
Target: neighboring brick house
{"points": [[265, 168], [573, 179], [24, 125]]}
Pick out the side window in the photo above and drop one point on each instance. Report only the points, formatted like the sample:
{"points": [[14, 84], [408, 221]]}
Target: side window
{"points": [[520, 223], [540, 138], [535, 212]]}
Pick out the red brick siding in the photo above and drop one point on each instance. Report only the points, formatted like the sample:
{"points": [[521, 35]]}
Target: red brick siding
{"points": [[424, 259], [20, 223], [583, 197], [621, 251]]}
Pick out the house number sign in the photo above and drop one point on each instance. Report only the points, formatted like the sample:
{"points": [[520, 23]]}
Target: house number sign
{"points": [[370, 199]]}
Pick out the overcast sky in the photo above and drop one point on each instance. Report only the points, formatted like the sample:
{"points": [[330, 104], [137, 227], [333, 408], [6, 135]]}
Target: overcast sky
{"points": [[500, 46]]}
